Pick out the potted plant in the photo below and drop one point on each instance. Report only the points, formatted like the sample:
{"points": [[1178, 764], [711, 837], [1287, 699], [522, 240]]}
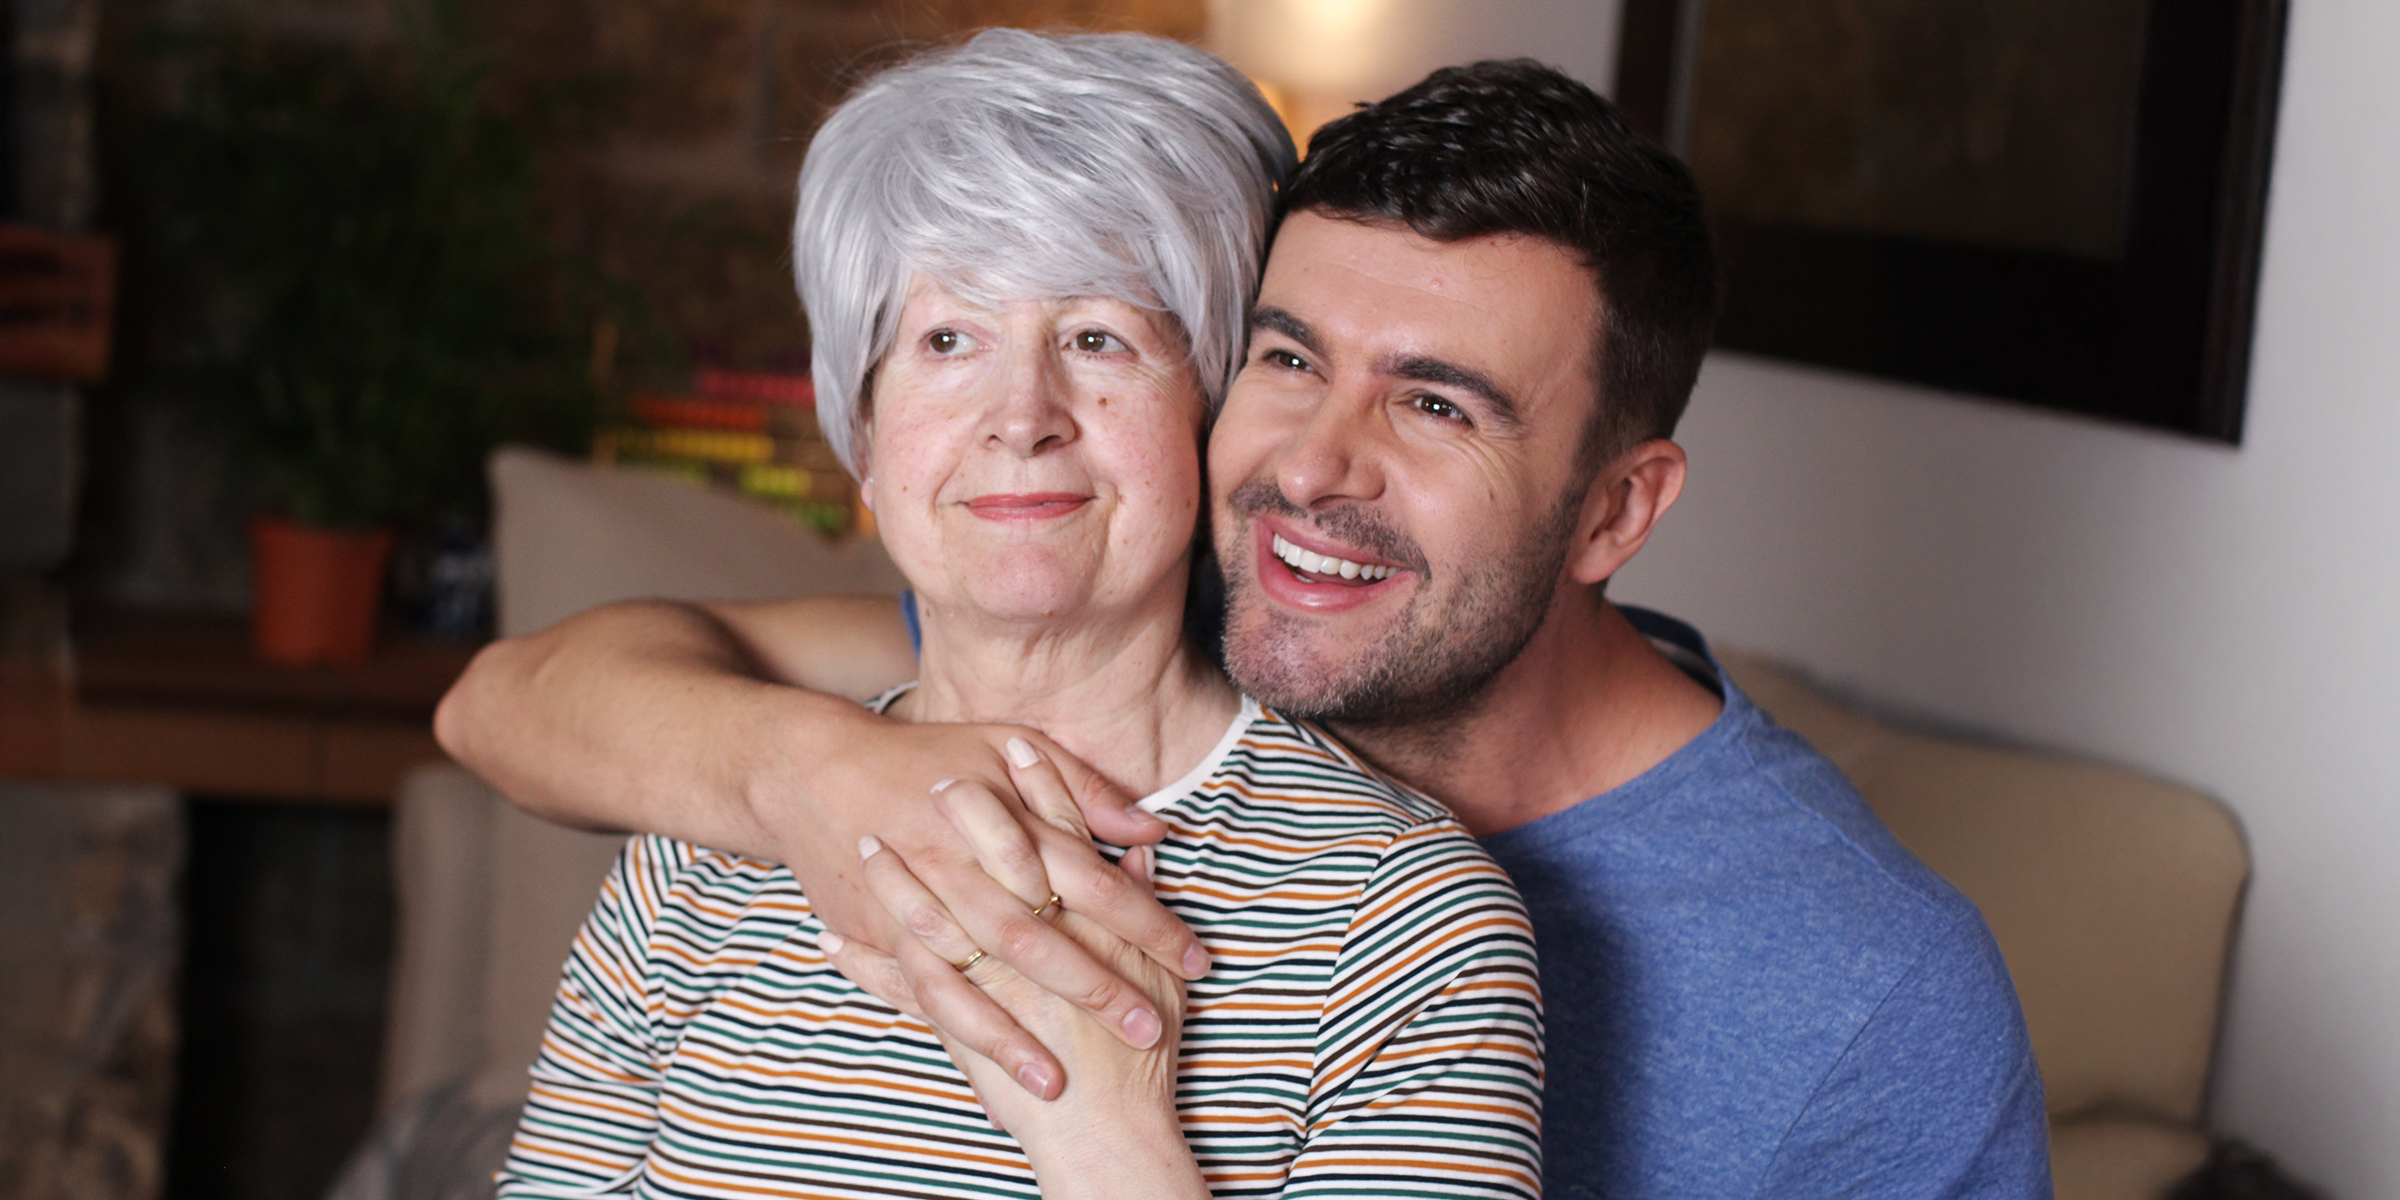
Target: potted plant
{"points": [[380, 303]]}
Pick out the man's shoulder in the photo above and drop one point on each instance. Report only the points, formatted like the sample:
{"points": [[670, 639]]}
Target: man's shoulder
{"points": [[1733, 942], [1747, 827]]}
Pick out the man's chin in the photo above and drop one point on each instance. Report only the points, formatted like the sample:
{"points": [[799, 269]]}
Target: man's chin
{"points": [[1284, 668]]}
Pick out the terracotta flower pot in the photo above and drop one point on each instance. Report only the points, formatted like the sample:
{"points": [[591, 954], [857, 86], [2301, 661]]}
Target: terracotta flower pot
{"points": [[315, 592]]}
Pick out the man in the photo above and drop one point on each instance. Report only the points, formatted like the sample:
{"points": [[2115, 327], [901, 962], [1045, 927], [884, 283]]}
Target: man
{"points": [[1479, 324]]}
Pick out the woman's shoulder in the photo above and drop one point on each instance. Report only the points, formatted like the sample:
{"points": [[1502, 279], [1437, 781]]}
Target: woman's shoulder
{"points": [[714, 896], [1283, 761]]}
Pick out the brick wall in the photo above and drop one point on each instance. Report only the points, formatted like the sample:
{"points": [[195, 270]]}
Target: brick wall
{"points": [[675, 173]]}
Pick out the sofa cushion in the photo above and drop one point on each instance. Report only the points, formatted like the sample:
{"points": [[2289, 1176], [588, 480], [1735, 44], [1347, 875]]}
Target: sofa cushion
{"points": [[570, 536], [2122, 1159]]}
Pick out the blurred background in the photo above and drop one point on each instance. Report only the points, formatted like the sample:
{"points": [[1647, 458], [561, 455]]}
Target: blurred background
{"points": [[280, 275]]}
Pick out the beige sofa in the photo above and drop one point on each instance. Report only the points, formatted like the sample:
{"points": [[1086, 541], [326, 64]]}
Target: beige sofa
{"points": [[2113, 895]]}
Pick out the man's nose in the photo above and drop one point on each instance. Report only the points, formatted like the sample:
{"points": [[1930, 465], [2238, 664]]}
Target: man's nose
{"points": [[1030, 413], [1334, 454]]}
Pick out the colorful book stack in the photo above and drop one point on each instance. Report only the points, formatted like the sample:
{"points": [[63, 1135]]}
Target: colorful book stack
{"points": [[751, 431]]}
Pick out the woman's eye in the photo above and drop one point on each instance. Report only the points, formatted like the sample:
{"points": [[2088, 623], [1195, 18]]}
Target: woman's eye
{"points": [[945, 341], [1094, 341]]}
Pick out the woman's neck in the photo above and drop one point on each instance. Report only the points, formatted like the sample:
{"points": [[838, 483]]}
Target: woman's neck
{"points": [[1130, 697]]}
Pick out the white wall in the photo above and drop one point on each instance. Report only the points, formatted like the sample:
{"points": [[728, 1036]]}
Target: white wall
{"points": [[2229, 618], [2226, 618]]}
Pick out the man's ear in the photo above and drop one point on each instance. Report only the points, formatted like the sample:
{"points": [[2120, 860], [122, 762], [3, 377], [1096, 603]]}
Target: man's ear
{"points": [[1623, 505]]}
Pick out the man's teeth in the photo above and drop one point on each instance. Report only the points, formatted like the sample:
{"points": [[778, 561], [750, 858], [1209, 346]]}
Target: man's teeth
{"points": [[1325, 564]]}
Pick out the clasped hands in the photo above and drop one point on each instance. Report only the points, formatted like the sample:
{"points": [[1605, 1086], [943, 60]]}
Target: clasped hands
{"points": [[985, 909]]}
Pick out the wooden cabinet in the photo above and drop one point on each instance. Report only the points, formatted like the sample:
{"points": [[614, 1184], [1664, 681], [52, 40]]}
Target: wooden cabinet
{"points": [[178, 699]]}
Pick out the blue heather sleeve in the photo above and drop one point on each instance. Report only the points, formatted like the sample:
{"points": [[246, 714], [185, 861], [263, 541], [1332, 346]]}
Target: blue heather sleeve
{"points": [[1937, 1096]]}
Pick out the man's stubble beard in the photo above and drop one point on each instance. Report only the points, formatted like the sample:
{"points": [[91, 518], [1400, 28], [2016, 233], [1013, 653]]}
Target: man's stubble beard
{"points": [[1433, 665]]}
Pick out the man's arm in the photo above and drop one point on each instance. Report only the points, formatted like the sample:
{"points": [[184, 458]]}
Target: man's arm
{"points": [[689, 720], [1937, 1096], [697, 722]]}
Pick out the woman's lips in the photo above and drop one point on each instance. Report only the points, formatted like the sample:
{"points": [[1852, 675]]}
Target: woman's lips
{"points": [[1026, 506]]}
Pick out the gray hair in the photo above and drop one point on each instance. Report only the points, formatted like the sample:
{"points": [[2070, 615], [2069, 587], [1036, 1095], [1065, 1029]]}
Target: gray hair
{"points": [[1030, 166]]}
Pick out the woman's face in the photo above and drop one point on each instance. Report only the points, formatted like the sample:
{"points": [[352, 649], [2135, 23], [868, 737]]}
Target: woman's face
{"points": [[1039, 460]]}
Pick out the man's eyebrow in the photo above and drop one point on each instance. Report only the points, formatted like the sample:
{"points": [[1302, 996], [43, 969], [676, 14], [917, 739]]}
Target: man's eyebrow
{"points": [[1267, 318], [1450, 374]]}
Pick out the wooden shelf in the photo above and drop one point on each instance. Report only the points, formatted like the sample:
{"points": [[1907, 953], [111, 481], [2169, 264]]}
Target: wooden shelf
{"points": [[178, 699]]}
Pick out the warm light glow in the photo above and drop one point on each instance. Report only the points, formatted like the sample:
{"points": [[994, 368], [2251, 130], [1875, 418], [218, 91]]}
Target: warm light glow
{"points": [[1314, 51], [1335, 24]]}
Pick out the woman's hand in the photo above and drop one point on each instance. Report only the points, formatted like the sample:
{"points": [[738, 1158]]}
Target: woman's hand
{"points": [[1112, 1130], [987, 858], [694, 721]]}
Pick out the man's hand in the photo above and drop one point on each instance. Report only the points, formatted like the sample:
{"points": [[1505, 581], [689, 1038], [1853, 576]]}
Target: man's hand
{"points": [[988, 841]]}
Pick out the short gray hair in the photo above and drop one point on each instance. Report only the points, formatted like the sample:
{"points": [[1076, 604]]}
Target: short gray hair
{"points": [[1030, 166]]}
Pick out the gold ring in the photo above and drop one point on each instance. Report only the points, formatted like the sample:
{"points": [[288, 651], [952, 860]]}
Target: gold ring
{"points": [[1047, 905], [972, 959]]}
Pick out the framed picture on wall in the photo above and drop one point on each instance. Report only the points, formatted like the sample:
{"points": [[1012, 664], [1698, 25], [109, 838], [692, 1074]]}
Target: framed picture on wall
{"points": [[2057, 202]]}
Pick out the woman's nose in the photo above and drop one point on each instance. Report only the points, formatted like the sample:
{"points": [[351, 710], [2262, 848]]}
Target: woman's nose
{"points": [[1031, 413]]}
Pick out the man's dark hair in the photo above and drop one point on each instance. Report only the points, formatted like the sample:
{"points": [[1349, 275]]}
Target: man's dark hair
{"points": [[1516, 147]]}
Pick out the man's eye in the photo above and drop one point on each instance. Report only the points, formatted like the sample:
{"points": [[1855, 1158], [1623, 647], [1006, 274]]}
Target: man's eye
{"points": [[1094, 341], [1285, 359], [1435, 406]]}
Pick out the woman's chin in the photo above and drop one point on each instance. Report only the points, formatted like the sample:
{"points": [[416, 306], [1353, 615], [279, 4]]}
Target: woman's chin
{"points": [[1024, 585], [1014, 599]]}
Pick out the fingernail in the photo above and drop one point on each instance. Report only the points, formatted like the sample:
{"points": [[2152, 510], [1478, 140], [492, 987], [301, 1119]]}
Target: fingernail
{"points": [[1195, 961], [868, 845], [1141, 862], [1142, 1026], [939, 784], [832, 942], [1035, 1078], [1022, 753], [1145, 818]]}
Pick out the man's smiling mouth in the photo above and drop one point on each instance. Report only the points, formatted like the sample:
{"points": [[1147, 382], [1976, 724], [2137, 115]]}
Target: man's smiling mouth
{"points": [[1328, 567]]}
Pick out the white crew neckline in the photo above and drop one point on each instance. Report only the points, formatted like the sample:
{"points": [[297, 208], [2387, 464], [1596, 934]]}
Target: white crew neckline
{"points": [[1191, 780], [1208, 764]]}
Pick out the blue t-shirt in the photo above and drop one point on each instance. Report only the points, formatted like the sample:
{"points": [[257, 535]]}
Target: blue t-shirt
{"points": [[1753, 990]]}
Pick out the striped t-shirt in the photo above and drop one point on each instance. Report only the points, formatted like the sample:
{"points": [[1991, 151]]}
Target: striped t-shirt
{"points": [[1371, 1024]]}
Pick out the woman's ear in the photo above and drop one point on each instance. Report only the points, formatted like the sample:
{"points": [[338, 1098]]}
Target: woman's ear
{"points": [[862, 436]]}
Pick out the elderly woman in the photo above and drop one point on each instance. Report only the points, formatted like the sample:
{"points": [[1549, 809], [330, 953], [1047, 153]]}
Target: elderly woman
{"points": [[1025, 262]]}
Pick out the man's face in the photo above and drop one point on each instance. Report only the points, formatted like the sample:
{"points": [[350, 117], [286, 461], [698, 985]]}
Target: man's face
{"points": [[1392, 465]]}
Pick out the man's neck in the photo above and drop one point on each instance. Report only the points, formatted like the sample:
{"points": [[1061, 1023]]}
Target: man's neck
{"points": [[1588, 705]]}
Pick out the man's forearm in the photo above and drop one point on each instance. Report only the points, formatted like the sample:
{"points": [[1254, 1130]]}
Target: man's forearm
{"points": [[695, 722], [643, 716]]}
